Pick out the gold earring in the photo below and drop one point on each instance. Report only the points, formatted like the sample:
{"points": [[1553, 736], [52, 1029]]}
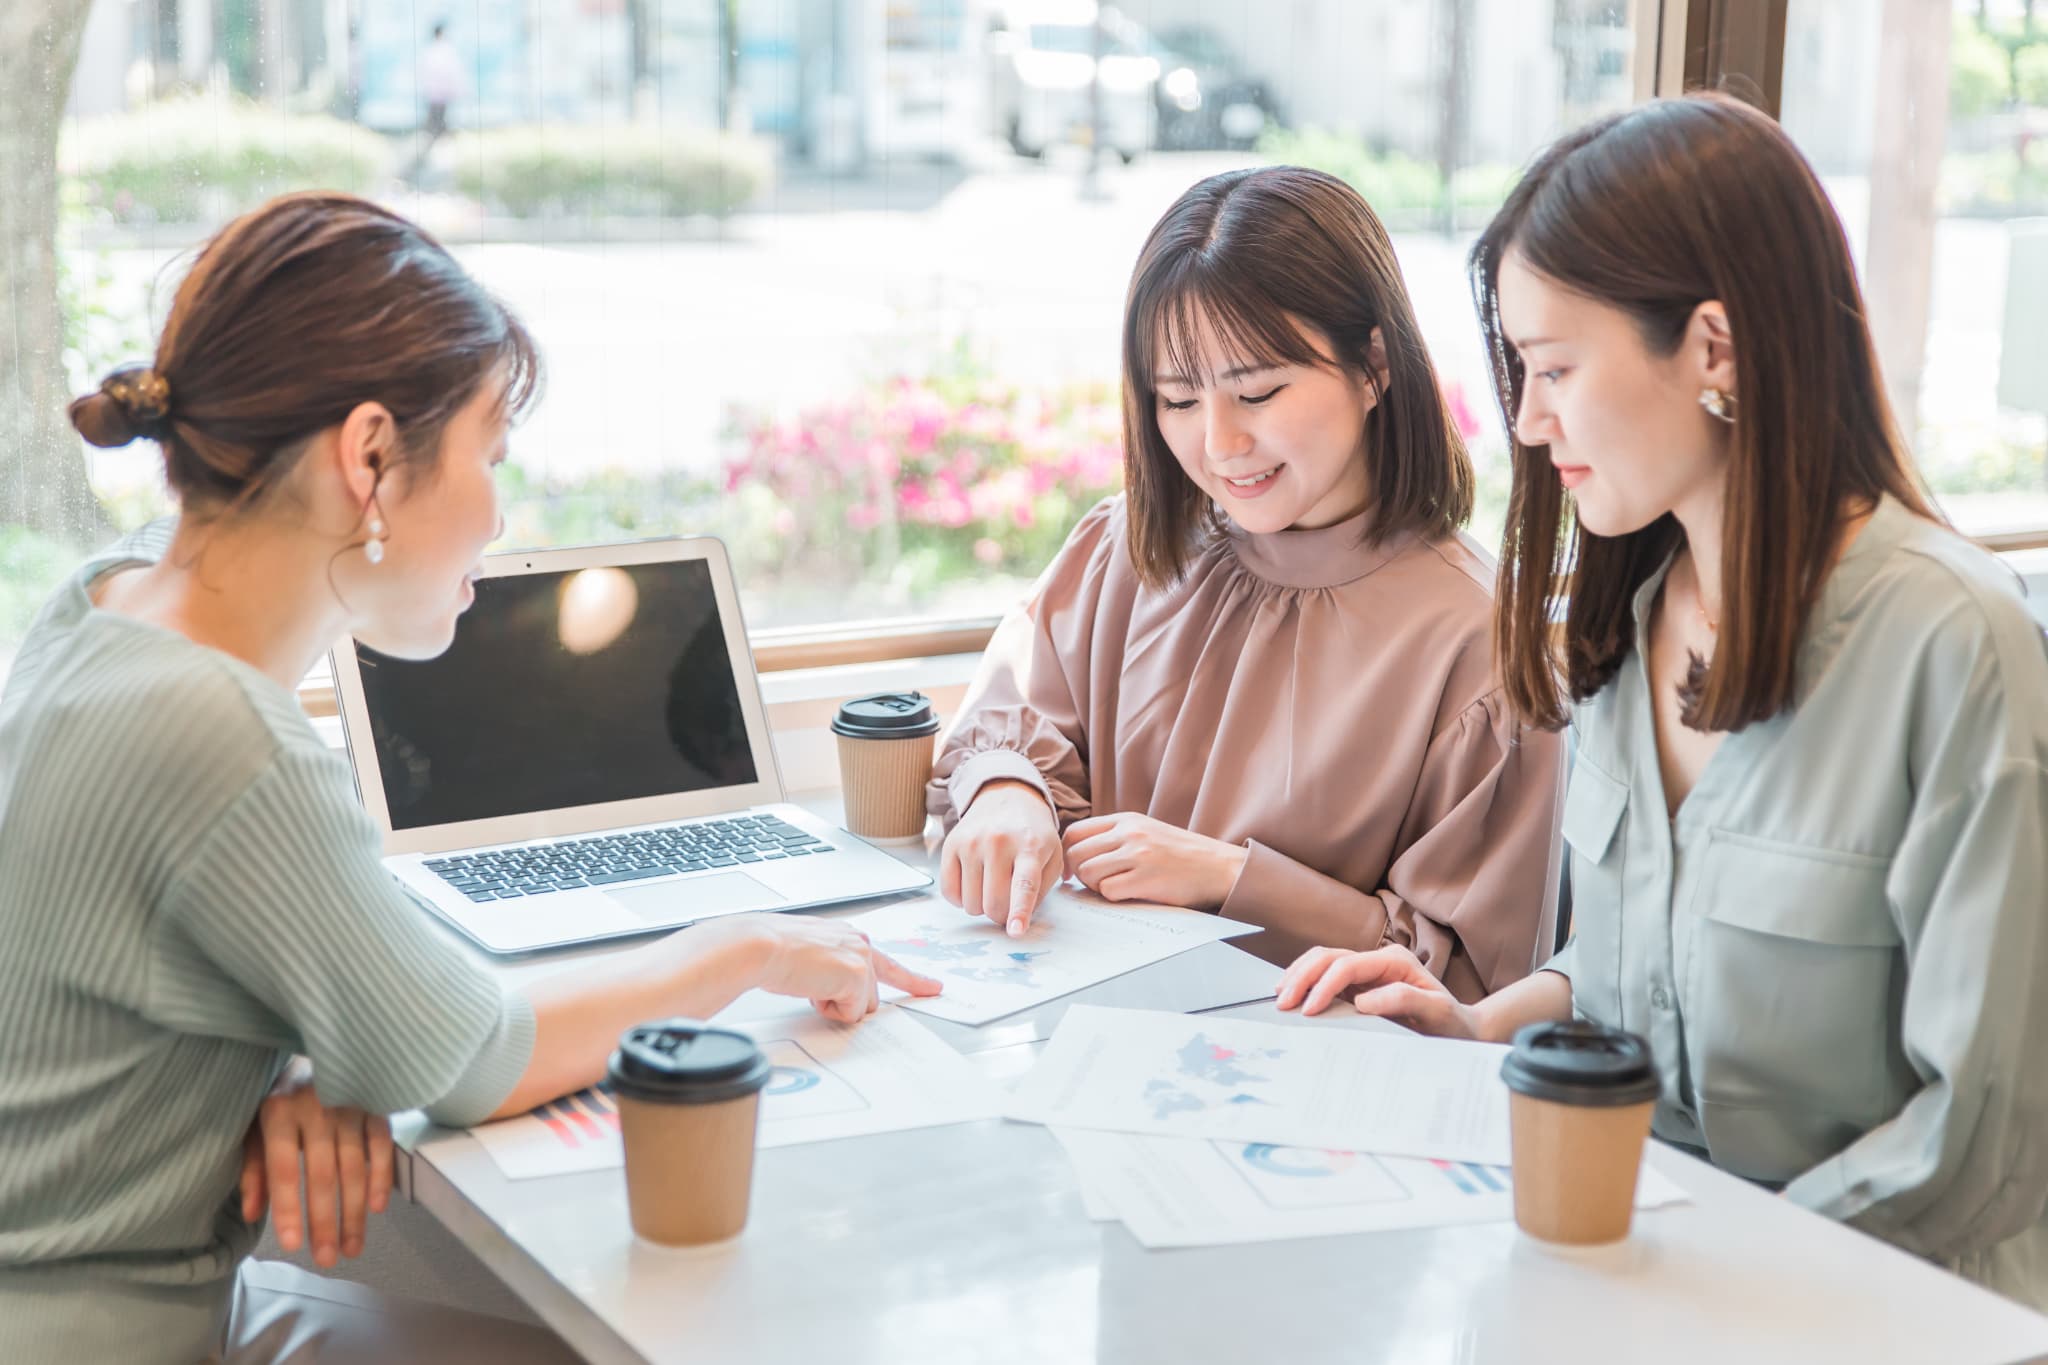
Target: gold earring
{"points": [[1718, 404]]}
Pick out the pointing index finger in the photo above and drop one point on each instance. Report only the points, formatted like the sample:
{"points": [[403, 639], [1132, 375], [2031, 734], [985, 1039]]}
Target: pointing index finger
{"points": [[890, 972]]}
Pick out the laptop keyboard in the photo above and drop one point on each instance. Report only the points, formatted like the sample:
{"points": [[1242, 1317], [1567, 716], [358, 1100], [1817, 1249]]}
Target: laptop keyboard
{"points": [[605, 860]]}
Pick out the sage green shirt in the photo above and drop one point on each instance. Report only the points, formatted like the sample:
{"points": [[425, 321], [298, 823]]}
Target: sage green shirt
{"points": [[1839, 947], [189, 893]]}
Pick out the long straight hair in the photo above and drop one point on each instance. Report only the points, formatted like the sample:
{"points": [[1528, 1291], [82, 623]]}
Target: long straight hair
{"points": [[1655, 211], [1256, 254]]}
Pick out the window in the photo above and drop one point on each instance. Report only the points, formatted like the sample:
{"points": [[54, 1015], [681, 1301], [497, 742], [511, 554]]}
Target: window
{"points": [[1925, 129], [838, 280]]}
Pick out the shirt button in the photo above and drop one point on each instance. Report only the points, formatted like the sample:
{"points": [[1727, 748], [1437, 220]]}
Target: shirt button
{"points": [[1660, 999]]}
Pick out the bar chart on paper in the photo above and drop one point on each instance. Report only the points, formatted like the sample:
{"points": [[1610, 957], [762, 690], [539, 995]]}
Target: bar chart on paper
{"points": [[799, 1086], [588, 1118], [827, 1081], [1470, 1179]]}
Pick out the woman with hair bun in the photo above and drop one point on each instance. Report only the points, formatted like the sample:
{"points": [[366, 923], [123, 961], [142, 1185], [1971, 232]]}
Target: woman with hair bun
{"points": [[190, 895]]}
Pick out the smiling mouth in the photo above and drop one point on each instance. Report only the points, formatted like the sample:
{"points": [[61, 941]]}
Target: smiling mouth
{"points": [[1254, 480]]}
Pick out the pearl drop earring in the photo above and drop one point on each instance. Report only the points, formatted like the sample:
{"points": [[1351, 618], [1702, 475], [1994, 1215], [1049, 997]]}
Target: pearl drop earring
{"points": [[373, 548]]}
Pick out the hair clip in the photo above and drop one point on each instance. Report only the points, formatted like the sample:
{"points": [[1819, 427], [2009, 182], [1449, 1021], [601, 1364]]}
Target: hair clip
{"points": [[144, 395]]}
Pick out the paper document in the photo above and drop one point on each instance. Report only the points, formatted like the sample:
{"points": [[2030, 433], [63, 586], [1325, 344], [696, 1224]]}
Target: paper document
{"points": [[1183, 1192], [1076, 940], [1138, 1071], [830, 1081]]}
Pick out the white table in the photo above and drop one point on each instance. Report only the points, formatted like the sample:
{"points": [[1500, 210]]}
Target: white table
{"points": [[969, 1244]]}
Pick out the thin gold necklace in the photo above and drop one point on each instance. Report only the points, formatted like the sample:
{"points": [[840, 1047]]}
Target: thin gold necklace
{"points": [[1699, 599]]}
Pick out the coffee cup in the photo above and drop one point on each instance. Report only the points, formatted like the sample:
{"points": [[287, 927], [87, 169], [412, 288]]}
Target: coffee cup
{"points": [[885, 760], [689, 1100], [1580, 1098]]}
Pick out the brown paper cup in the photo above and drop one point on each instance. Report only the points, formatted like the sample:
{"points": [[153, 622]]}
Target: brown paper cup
{"points": [[884, 781], [1575, 1168], [689, 1167]]}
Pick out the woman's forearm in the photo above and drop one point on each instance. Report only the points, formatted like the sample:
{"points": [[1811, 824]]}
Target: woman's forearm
{"points": [[579, 1015], [1537, 998]]}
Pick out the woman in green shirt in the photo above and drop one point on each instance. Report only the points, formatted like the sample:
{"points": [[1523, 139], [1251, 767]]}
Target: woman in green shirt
{"points": [[1808, 810], [189, 893]]}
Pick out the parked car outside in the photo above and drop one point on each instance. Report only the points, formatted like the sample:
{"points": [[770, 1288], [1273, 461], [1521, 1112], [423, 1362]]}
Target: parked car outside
{"points": [[1207, 100], [1042, 63]]}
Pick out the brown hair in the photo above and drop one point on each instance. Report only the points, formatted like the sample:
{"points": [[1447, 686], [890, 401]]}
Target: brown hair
{"points": [[1257, 253], [1656, 211], [291, 316]]}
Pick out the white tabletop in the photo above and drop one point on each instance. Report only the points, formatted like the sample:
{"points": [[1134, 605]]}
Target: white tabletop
{"points": [[969, 1244]]}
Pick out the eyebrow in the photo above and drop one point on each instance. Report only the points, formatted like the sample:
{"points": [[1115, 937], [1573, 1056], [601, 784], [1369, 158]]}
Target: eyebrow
{"points": [[1528, 343], [1237, 372]]}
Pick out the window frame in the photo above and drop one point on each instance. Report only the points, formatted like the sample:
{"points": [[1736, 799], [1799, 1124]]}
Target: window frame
{"points": [[1737, 45]]}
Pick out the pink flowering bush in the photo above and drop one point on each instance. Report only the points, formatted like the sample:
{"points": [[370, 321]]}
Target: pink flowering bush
{"points": [[1462, 416], [924, 480], [918, 482], [943, 494]]}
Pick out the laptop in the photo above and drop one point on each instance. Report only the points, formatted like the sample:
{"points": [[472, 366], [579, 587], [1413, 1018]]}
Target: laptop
{"points": [[590, 759]]}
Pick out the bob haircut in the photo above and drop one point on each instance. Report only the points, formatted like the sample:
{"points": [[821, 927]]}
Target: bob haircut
{"points": [[1259, 255]]}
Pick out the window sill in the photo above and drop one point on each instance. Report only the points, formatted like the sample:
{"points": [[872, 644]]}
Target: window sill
{"points": [[779, 651], [2008, 542], [1999, 521], [2032, 567]]}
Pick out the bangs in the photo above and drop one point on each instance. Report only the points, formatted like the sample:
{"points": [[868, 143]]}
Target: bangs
{"points": [[1249, 330], [521, 359]]}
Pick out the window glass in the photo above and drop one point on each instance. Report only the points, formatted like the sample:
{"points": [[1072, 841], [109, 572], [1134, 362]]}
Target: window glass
{"points": [[837, 280], [1927, 131]]}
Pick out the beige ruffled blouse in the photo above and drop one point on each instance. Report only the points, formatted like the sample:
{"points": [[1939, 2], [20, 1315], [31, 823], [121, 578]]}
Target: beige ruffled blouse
{"points": [[1330, 704]]}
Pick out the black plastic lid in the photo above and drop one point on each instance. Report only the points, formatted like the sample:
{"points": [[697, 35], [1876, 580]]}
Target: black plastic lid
{"points": [[683, 1061], [1581, 1062], [887, 715]]}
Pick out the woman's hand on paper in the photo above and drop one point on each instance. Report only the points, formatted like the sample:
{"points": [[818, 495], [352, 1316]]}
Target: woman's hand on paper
{"points": [[1132, 857], [1003, 856], [828, 962], [346, 1155], [1388, 982]]}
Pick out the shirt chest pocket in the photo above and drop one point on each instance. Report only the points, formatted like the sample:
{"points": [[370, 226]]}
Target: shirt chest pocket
{"points": [[1795, 982], [1595, 806]]}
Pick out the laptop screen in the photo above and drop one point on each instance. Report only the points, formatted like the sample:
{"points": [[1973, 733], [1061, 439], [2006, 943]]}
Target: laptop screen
{"points": [[562, 689]]}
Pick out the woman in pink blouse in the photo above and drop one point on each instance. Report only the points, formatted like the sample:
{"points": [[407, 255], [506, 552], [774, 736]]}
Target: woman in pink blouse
{"points": [[1262, 679]]}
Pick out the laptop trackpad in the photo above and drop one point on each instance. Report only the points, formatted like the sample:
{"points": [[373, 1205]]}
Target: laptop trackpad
{"points": [[674, 902]]}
